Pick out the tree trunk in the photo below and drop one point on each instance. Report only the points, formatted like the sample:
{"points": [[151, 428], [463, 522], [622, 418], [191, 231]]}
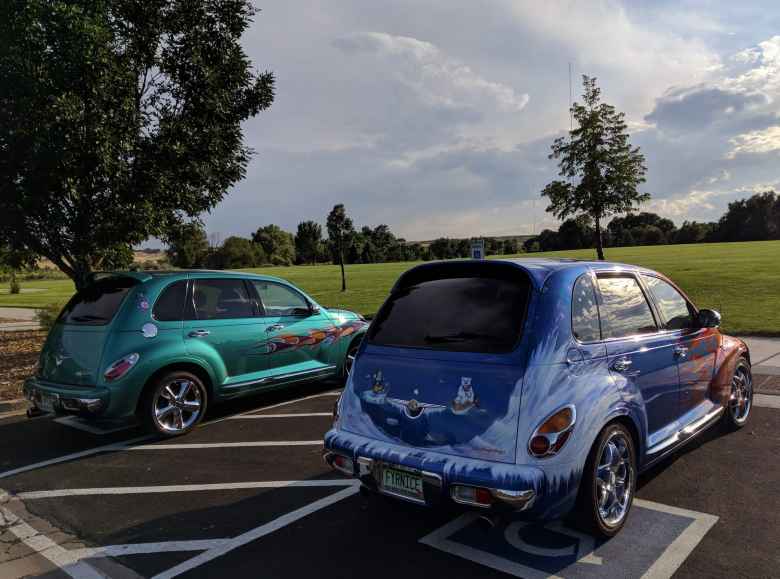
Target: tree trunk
{"points": [[341, 263], [81, 276], [599, 241]]}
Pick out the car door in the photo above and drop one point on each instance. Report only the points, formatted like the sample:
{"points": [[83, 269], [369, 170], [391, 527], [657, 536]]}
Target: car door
{"points": [[297, 336], [223, 328], [695, 347], [640, 357]]}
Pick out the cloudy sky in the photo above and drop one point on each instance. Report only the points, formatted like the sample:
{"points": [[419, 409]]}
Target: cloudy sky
{"points": [[436, 116]]}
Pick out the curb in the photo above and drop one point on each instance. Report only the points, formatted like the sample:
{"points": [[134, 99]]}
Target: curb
{"points": [[13, 405]]}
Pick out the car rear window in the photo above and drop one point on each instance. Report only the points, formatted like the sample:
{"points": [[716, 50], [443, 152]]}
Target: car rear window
{"points": [[474, 313], [97, 304]]}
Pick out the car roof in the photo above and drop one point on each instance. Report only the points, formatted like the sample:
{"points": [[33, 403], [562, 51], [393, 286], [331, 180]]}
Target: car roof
{"points": [[540, 268], [146, 275]]}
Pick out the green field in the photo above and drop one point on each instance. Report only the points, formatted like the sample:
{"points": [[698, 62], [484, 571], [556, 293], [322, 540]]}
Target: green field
{"points": [[741, 280]]}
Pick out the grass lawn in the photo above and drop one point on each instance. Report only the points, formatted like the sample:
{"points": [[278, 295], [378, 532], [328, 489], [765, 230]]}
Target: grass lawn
{"points": [[741, 280]]}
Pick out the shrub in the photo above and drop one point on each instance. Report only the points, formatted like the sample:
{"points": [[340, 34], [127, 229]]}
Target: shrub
{"points": [[15, 288], [47, 315]]}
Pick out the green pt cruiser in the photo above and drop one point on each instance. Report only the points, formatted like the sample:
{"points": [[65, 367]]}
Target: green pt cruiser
{"points": [[161, 346]]}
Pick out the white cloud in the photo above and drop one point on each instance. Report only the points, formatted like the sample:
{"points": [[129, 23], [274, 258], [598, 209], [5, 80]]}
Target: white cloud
{"points": [[438, 79], [763, 141]]}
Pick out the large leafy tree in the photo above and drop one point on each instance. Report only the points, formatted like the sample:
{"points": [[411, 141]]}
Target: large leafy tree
{"points": [[119, 119], [188, 246], [307, 241], [278, 245], [603, 171], [339, 229]]}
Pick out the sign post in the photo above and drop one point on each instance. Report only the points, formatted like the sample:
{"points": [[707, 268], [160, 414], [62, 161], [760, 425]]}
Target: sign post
{"points": [[478, 249]]}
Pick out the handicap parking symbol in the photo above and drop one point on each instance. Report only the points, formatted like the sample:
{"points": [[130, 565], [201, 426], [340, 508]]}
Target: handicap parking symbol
{"points": [[653, 544]]}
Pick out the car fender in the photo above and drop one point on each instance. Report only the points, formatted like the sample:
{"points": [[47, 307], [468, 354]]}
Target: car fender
{"points": [[730, 350]]}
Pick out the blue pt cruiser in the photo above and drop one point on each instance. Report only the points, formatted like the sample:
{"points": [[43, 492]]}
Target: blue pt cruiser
{"points": [[533, 386]]}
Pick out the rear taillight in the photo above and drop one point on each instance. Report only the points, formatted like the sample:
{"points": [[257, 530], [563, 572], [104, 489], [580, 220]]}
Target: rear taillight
{"points": [[474, 496], [553, 433], [120, 367]]}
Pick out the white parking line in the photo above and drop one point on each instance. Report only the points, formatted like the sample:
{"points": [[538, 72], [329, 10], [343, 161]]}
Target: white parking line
{"points": [[146, 548], [256, 533], [301, 415], [47, 548], [32, 495], [125, 445], [65, 458], [197, 445]]}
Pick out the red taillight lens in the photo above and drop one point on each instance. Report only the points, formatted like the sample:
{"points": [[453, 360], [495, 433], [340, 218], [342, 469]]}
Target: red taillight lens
{"points": [[553, 433], [120, 367]]}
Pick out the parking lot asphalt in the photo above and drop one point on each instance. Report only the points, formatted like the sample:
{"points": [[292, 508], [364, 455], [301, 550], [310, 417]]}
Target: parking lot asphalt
{"points": [[246, 494]]}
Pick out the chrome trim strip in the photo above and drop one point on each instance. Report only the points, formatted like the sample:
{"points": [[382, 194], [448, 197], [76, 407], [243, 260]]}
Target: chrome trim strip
{"points": [[313, 372], [687, 432]]}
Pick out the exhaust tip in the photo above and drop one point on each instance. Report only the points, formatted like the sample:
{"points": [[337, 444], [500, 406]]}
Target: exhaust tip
{"points": [[488, 522]]}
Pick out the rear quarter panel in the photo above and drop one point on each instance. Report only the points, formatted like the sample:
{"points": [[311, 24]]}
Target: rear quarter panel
{"points": [[562, 371]]}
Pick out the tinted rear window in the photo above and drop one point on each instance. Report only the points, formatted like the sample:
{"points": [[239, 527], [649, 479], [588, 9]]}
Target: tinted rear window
{"points": [[97, 304], [462, 314]]}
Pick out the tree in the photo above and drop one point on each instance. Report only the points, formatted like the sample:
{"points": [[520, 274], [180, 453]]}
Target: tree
{"points": [[751, 219], [278, 245], [119, 120], [602, 168], [576, 233], [12, 260], [339, 227], [236, 253], [188, 246], [307, 241]]}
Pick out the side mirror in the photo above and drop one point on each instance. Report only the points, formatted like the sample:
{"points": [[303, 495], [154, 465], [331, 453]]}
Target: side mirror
{"points": [[313, 309], [709, 319]]}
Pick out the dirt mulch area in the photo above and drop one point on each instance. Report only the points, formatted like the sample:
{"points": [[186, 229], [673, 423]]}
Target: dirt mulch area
{"points": [[18, 356], [11, 320]]}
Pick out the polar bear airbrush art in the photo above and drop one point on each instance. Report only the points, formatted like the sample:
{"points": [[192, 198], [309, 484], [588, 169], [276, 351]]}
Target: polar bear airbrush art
{"points": [[378, 392], [465, 400]]}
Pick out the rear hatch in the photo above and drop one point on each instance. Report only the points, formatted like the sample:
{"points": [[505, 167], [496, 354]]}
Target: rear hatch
{"points": [[441, 368], [74, 347]]}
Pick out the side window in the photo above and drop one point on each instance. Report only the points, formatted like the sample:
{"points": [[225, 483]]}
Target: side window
{"points": [[677, 314], [169, 307], [279, 300], [624, 309], [584, 311], [219, 299]]}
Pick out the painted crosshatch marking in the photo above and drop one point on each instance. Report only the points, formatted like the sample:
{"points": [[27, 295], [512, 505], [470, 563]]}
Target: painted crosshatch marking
{"points": [[654, 543]]}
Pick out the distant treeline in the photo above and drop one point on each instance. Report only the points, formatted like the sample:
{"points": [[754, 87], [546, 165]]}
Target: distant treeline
{"points": [[271, 245], [755, 218]]}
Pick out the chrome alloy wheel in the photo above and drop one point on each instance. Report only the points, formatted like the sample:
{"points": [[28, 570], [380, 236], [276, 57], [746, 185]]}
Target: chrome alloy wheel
{"points": [[741, 398], [614, 480], [177, 406]]}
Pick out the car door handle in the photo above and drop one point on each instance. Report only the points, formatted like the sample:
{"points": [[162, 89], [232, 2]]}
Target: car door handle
{"points": [[621, 364], [198, 333], [680, 351], [274, 327]]}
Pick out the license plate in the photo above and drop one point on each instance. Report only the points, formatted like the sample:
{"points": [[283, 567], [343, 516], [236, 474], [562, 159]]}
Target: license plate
{"points": [[403, 483], [48, 402]]}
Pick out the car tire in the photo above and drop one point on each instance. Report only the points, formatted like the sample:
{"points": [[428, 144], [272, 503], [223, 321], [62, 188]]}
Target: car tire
{"points": [[603, 502], [349, 359], [173, 404], [740, 400]]}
